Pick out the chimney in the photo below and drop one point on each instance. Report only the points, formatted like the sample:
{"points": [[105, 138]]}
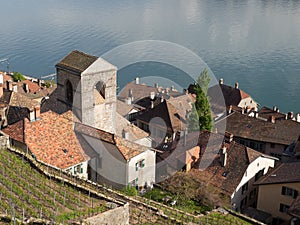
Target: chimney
{"points": [[221, 81], [167, 90], [125, 134], [31, 115], [137, 80], [256, 114], [156, 85], [236, 85], [162, 98], [230, 109], [216, 130], [15, 88], [128, 100], [223, 157], [9, 85], [243, 110], [275, 108], [290, 115], [39, 81], [37, 110], [152, 95], [26, 88], [172, 88], [298, 117], [272, 119]]}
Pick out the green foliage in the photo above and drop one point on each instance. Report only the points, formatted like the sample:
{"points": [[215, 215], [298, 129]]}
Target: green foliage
{"points": [[130, 191], [49, 83], [202, 102], [18, 77], [193, 120]]}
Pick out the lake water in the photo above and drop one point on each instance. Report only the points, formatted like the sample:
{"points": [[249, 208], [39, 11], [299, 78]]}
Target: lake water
{"points": [[256, 43]]}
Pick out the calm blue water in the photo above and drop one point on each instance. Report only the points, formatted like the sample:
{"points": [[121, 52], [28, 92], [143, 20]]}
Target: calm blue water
{"points": [[256, 43]]}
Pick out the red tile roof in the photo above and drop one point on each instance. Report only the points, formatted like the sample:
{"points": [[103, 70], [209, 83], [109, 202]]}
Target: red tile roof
{"points": [[48, 137]]}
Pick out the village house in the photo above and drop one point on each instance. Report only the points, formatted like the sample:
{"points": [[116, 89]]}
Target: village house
{"points": [[50, 138], [87, 85], [232, 168], [269, 136], [278, 190]]}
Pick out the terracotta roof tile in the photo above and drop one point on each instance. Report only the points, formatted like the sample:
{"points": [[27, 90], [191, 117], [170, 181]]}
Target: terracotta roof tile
{"points": [[238, 158], [16, 131]]}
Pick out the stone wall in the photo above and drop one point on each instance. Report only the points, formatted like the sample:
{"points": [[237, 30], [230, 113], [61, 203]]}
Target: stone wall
{"points": [[116, 216]]}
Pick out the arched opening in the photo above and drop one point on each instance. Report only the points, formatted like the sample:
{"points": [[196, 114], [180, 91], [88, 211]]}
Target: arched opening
{"points": [[69, 92], [99, 93]]}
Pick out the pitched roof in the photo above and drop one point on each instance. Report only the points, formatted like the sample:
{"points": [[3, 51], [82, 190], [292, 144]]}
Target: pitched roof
{"points": [[20, 100], [134, 132], [140, 91], [127, 148], [16, 131], [266, 112], [48, 137], [282, 131], [167, 112], [77, 61], [228, 177], [232, 95], [123, 108], [279, 174]]}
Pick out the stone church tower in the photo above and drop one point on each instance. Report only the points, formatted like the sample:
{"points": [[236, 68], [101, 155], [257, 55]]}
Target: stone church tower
{"points": [[87, 85]]}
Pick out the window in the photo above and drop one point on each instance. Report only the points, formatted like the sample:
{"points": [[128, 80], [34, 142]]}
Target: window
{"points": [[69, 92], [140, 164], [78, 169], [283, 208], [289, 192], [244, 188], [259, 174]]}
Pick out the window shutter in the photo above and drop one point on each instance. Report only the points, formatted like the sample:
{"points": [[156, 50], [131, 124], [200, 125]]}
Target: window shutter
{"points": [[137, 166], [283, 190]]}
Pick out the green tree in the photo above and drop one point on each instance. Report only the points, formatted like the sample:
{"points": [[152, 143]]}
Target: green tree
{"points": [[202, 102], [18, 76]]}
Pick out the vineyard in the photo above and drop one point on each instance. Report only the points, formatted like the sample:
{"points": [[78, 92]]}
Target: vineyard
{"points": [[25, 192]]}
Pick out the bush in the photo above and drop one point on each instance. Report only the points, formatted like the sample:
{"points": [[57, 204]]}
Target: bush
{"points": [[129, 191], [18, 77]]}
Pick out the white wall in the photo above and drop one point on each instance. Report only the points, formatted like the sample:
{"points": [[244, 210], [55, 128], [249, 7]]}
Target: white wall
{"points": [[257, 165], [248, 102], [82, 165], [146, 174]]}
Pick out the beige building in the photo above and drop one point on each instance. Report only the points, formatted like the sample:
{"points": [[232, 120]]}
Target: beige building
{"points": [[278, 189]]}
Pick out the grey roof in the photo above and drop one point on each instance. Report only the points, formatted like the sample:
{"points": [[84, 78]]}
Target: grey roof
{"points": [[77, 61]]}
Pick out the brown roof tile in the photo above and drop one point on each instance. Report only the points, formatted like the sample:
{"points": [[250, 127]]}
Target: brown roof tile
{"points": [[16, 131], [282, 131], [77, 61], [238, 158], [280, 172], [266, 112]]}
